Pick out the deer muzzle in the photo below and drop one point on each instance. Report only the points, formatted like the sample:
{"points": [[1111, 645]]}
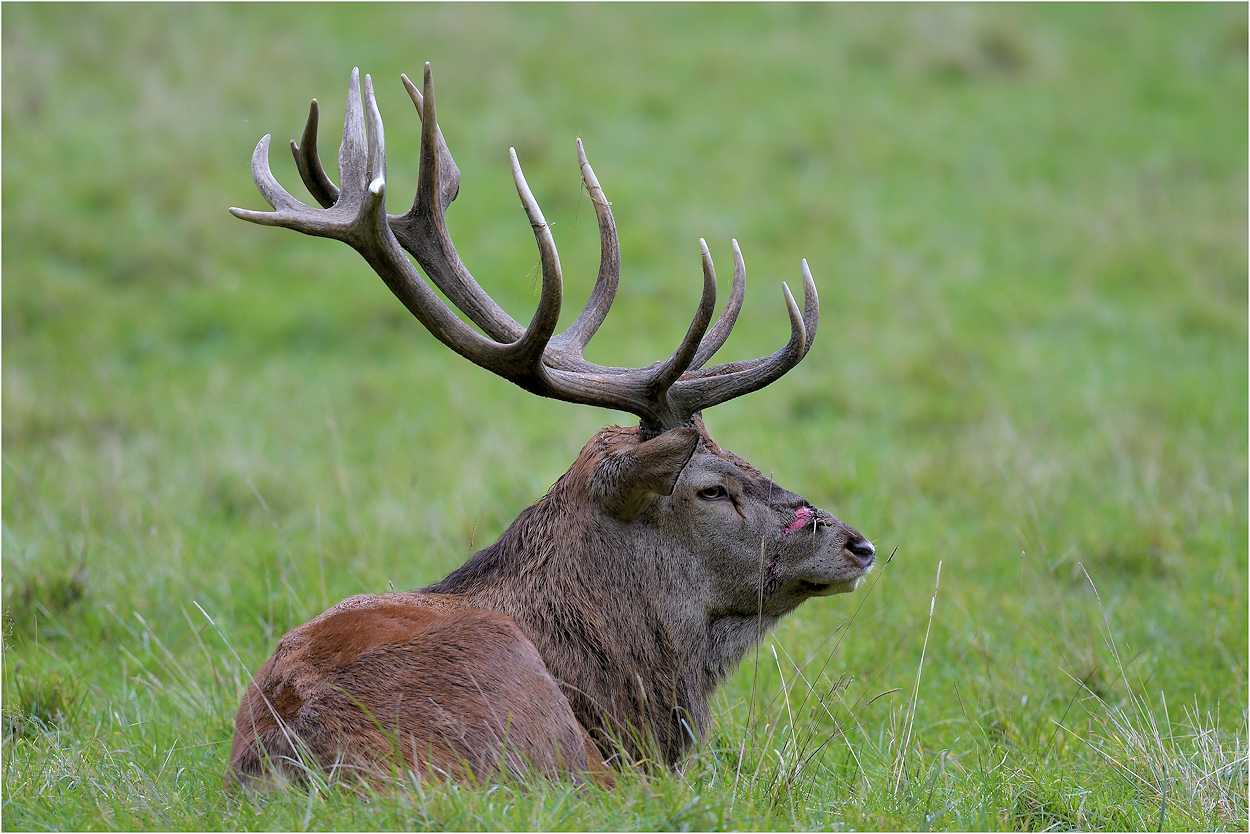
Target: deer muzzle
{"points": [[856, 554]]}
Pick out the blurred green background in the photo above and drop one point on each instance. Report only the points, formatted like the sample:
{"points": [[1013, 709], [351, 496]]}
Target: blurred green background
{"points": [[1028, 228]]}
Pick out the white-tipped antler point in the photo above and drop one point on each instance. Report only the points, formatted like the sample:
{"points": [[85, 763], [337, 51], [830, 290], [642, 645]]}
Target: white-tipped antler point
{"points": [[378, 185], [809, 285], [796, 316]]}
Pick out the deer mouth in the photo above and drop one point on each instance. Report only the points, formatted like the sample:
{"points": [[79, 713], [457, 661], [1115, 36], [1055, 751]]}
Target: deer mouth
{"points": [[856, 556], [827, 589]]}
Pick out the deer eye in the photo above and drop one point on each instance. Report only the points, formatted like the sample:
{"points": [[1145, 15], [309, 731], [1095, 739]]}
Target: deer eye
{"points": [[713, 493]]}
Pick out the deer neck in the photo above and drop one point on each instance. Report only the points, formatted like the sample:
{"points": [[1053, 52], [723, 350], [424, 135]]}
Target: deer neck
{"points": [[616, 619]]}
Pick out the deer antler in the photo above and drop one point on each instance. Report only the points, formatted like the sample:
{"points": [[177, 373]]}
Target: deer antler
{"points": [[664, 395]]}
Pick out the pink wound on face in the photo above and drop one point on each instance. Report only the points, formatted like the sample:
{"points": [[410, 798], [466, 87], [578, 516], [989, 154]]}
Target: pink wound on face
{"points": [[801, 517]]}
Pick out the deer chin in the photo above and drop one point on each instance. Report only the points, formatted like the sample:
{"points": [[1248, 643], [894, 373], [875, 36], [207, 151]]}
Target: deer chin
{"points": [[815, 588], [824, 580]]}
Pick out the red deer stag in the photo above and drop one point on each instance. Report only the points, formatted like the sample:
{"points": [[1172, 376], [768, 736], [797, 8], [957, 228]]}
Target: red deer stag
{"points": [[603, 619]]}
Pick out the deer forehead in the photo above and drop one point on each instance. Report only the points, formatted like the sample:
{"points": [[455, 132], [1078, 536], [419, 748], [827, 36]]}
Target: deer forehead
{"points": [[707, 467]]}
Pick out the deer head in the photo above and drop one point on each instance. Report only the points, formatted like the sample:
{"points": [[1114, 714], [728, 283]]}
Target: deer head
{"points": [[658, 558]]}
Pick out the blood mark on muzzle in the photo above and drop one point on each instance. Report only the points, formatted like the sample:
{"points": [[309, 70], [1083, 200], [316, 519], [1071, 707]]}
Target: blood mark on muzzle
{"points": [[802, 517]]}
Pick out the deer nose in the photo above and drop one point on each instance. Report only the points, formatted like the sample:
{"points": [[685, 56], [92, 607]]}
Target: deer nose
{"points": [[862, 550]]}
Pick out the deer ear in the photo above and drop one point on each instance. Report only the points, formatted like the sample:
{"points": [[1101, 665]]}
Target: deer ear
{"points": [[623, 480]]}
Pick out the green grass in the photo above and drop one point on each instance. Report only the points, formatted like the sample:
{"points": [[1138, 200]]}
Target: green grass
{"points": [[1028, 227]]}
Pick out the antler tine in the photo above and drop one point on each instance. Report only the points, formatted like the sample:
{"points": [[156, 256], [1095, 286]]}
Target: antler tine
{"points": [[354, 150], [275, 195], [676, 365], [712, 386], [530, 347], [376, 166], [716, 337], [583, 329], [811, 306], [811, 318], [377, 244], [308, 162], [449, 173], [423, 232]]}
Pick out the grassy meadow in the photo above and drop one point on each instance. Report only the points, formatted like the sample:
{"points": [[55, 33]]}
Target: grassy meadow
{"points": [[1028, 226]]}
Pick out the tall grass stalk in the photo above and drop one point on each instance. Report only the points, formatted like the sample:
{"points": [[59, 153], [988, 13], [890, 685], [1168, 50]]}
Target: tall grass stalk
{"points": [[909, 720]]}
